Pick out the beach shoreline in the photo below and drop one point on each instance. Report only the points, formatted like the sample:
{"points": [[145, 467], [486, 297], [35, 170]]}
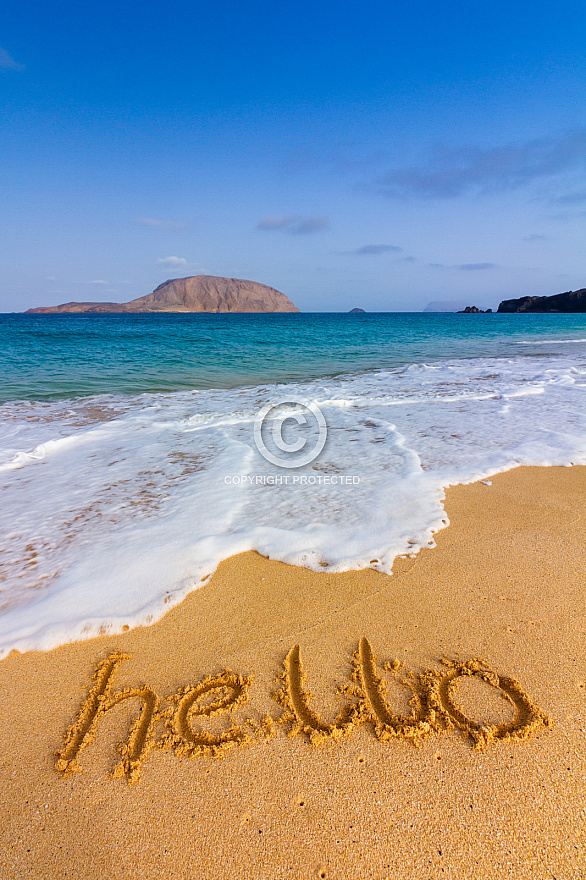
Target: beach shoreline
{"points": [[505, 583]]}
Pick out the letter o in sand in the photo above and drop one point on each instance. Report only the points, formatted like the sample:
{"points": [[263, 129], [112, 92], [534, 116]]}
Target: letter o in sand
{"points": [[527, 719]]}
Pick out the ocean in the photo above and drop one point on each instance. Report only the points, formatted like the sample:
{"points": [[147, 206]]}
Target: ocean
{"points": [[134, 455]]}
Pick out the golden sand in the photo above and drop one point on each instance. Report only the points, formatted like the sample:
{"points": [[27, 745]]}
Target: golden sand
{"points": [[459, 752]]}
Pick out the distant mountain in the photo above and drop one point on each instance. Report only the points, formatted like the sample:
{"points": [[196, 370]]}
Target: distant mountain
{"points": [[572, 301], [356, 312], [198, 293], [445, 305]]}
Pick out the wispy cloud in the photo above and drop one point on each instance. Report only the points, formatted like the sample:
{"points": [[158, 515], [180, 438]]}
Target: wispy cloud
{"points": [[293, 224], [449, 173], [8, 61], [535, 236], [568, 216], [172, 262], [464, 267], [578, 198], [474, 267], [373, 249], [98, 281], [169, 225]]}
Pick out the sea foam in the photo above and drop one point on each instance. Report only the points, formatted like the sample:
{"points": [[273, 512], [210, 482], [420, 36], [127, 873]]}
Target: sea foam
{"points": [[114, 508]]}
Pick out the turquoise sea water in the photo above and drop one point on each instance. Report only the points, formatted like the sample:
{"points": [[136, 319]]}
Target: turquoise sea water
{"points": [[48, 356], [130, 461]]}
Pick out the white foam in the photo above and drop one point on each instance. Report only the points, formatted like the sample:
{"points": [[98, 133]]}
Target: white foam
{"points": [[547, 341], [114, 508]]}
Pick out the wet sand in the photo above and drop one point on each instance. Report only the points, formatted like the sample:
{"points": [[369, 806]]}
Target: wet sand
{"points": [[307, 759]]}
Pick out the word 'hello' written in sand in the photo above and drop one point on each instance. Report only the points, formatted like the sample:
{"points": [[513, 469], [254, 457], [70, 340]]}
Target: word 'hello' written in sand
{"points": [[433, 704]]}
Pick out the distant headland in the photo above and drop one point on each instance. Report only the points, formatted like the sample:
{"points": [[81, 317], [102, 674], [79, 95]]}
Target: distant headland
{"points": [[572, 301], [198, 293]]}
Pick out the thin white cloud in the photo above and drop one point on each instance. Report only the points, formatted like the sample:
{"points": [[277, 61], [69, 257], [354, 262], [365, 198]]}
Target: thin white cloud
{"points": [[169, 225], [293, 224], [8, 62], [172, 262]]}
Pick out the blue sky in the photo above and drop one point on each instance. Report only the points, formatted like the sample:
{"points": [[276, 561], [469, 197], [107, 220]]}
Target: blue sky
{"points": [[370, 154]]}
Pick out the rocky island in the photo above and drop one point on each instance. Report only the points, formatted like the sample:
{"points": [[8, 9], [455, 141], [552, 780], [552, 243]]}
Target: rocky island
{"points": [[198, 293], [572, 301]]}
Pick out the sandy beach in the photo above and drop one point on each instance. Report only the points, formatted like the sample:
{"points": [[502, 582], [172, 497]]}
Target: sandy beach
{"points": [[307, 760]]}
